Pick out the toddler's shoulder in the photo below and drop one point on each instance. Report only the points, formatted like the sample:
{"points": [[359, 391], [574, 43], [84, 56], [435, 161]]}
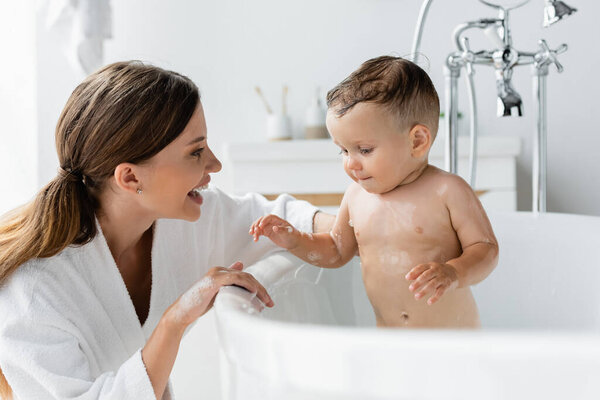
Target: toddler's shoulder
{"points": [[440, 177], [353, 189], [450, 186]]}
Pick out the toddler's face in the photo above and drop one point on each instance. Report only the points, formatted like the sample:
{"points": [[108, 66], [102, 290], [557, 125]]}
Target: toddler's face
{"points": [[376, 151]]}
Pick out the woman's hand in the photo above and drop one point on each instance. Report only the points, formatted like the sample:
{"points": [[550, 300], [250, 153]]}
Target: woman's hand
{"points": [[281, 232], [433, 278], [197, 300]]}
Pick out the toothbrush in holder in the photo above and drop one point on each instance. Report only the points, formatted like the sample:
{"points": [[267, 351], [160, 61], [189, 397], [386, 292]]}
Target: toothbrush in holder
{"points": [[264, 100], [278, 125], [284, 100]]}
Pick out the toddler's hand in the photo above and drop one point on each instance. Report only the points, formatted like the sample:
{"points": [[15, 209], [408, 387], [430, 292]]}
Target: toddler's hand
{"points": [[433, 278], [281, 232]]}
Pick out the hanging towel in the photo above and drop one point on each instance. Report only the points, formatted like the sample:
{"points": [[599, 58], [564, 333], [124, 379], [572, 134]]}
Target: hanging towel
{"points": [[84, 25]]}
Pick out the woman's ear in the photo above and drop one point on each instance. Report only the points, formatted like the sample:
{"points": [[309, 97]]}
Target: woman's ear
{"points": [[126, 179], [420, 140]]}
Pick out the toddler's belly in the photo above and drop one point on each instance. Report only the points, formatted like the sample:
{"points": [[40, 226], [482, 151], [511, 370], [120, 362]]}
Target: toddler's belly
{"points": [[395, 306]]}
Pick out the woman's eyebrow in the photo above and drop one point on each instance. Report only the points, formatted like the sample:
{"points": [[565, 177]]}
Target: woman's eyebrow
{"points": [[196, 140]]}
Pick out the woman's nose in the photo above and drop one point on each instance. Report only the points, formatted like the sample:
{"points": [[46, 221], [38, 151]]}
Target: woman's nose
{"points": [[214, 165]]}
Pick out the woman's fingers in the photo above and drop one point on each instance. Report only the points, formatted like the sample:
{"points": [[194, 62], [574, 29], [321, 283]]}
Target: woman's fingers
{"points": [[249, 283], [238, 266]]}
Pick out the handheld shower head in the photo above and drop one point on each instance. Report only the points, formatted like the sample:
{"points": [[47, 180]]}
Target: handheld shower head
{"points": [[555, 10]]}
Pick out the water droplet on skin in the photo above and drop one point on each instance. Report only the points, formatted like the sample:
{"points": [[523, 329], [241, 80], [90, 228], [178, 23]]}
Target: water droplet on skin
{"points": [[442, 189], [308, 235], [313, 256], [419, 230], [350, 223], [290, 229], [393, 260]]}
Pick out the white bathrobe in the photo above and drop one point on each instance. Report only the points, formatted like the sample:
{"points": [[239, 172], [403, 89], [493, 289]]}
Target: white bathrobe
{"points": [[68, 327]]}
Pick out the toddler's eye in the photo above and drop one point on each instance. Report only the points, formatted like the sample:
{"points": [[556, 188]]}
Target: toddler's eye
{"points": [[365, 151], [342, 151], [197, 153]]}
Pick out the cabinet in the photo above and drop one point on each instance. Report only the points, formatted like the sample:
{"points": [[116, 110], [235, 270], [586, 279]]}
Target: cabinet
{"points": [[312, 169]]}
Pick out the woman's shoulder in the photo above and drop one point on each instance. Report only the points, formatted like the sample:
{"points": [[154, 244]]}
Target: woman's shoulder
{"points": [[34, 277], [16, 292]]}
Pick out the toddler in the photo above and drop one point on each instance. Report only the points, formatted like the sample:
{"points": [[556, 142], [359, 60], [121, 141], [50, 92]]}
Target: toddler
{"points": [[419, 231]]}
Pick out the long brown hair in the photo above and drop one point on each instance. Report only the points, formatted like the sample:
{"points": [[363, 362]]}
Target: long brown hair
{"points": [[125, 112]]}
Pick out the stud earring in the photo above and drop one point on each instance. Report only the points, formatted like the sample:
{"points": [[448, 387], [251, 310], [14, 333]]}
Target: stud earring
{"points": [[139, 191]]}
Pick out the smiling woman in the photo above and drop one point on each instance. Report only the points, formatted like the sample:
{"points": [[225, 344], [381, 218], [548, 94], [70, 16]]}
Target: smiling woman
{"points": [[99, 270]]}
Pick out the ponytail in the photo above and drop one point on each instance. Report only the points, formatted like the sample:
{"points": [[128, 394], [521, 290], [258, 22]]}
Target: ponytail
{"points": [[61, 214], [5, 391]]}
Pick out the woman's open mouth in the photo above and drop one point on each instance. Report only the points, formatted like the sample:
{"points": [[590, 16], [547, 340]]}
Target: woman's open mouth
{"points": [[195, 195]]}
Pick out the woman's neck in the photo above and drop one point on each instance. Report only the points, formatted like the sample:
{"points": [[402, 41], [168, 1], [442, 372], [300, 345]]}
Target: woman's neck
{"points": [[123, 226]]}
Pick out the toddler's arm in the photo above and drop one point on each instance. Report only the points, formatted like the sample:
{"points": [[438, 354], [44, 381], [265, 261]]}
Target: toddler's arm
{"points": [[479, 247], [477, 239], [328, 249]]}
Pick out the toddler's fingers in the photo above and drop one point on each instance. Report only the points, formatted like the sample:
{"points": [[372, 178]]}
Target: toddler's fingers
{"points": [[425, 277], [416, 271], [436, 296], [430, 286]]}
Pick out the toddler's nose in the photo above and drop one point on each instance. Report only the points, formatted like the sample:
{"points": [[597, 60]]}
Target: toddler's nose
{"points": [[352, 163]]}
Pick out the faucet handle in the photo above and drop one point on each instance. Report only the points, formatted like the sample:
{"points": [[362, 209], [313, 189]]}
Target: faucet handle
{"points": [[547, 56]]}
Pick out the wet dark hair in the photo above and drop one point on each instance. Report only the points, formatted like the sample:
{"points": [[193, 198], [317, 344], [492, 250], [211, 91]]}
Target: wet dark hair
{"points": [[400, 85]]}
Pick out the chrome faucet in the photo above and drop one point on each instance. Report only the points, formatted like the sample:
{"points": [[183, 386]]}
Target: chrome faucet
{"points": [[508, 98], [503, 58], [556, 10]]}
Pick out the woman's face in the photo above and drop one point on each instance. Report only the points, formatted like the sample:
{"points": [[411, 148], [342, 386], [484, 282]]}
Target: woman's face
{"points": [[171, 181]]}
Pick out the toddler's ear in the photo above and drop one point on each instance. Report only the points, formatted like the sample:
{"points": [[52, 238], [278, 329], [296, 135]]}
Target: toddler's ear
{"points": [[420, 140]]}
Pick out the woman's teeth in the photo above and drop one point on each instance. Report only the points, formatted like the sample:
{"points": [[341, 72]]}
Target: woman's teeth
{"points": [[196, 191]]}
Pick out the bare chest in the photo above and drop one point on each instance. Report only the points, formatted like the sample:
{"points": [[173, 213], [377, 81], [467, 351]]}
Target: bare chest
{"points": [[409, 229]]}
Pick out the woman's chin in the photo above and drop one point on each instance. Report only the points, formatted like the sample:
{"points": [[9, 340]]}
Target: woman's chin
{"points": [[191, 216]]}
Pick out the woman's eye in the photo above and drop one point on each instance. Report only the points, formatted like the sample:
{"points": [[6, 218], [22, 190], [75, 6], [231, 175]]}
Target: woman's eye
{"points": [[197, 153], [365, 151]]}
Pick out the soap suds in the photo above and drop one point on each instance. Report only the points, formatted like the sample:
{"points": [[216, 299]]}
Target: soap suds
{"points": [[195, 295]]}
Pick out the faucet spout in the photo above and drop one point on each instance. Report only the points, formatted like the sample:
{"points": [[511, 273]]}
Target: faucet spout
{"points": [[509, 101]]}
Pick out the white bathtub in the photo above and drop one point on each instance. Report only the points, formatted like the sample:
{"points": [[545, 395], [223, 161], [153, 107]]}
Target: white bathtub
{"points": [[540, 311]]}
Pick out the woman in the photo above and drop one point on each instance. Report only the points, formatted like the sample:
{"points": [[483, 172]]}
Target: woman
{"points": [[93, 270]]}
